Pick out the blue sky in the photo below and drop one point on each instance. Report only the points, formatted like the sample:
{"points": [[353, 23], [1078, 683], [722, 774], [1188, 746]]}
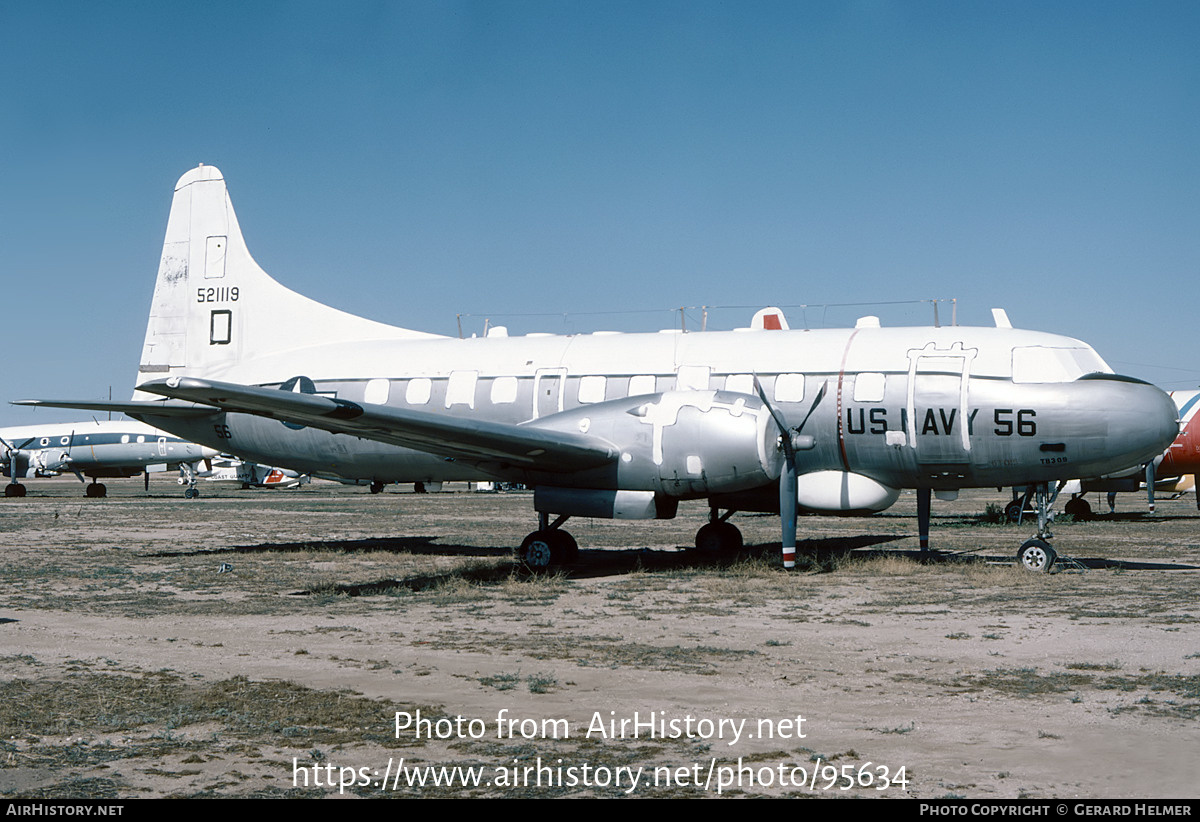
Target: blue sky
{"points": [[410, 161]]}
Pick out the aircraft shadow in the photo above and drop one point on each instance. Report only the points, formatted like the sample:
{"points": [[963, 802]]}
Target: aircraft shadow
{"points": [[820, 554], [395, 545]]}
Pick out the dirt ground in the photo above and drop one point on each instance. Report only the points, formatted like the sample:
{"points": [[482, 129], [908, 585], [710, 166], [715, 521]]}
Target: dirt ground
{"points": [[324, 641]]}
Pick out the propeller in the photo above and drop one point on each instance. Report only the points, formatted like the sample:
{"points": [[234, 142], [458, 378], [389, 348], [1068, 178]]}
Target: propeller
{"points": [[8, 454], [791, 441]]}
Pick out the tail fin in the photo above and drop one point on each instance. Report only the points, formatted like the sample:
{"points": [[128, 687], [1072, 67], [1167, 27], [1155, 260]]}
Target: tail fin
{"points": [[215, 310]]}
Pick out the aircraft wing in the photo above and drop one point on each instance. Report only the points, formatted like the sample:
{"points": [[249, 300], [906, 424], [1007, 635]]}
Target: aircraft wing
{"points": [[472, 441]]}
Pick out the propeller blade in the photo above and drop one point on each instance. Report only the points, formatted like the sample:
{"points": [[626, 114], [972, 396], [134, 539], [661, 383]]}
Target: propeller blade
{"points": [[787, 478], [787, 509], [1150, 472]]}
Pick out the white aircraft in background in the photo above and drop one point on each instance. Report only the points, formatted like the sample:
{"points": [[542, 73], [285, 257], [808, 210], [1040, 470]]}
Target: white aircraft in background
{"points": [[227, 469], [120, 448], [624, 425]]}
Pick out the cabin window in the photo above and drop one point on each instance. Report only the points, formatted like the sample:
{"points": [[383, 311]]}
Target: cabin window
{"points": [[418, 391], [692, 378], [591, 389], [741, 383], [789, 388], [641, 384], [124, 439], [868, 387], [504, 390], [141, 439], [460, 390], [377, 391]]}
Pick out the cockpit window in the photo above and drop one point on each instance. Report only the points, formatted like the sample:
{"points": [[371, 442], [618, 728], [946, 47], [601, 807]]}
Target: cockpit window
{"points": [[1041, 364]]}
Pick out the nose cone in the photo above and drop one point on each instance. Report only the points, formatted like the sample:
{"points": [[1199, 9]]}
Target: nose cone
{"points": [[1142, 420]]}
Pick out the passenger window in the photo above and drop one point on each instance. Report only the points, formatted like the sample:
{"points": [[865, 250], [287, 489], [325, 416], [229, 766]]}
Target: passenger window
{"points": [[868, 387], [789, 388], [692, 378], [641, 384], [460, 390], [377, 391], [591, 389], [741, 383], [504, 390], [419, 391]]}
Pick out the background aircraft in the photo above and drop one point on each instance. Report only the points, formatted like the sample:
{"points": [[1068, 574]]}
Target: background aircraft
{"points": [[93, 449], [624, 425]]}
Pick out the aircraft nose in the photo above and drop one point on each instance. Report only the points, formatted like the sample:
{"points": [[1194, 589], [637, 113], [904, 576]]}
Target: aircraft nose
{"points": [[1147, 424]]}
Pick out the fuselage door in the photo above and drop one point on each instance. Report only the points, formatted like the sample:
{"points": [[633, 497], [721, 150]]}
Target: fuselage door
{"points": [[548, 386], [937, 412]]}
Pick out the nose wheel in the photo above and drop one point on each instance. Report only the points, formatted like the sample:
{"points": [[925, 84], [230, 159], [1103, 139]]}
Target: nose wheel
{"points": [[1036, 555]]}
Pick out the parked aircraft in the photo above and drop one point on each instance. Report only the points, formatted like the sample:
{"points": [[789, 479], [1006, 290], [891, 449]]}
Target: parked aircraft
{"points": [[624, 425], [227, 469], [94, 449]]}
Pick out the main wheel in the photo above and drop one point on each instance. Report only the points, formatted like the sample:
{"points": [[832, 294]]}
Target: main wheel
{"points": [[716, 537], [1012, 511], [95, 489], [191, 493], [1036, 555], [14, 489], [376, 487], [537, 550], [563, 547], [1079, 508]]}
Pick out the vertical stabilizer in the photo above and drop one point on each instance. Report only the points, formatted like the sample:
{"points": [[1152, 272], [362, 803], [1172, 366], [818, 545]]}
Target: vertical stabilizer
{"points": [[215, 309]]}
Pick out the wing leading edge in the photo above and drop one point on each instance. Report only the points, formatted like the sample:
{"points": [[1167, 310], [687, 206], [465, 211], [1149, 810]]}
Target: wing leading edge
{"points": [[471, 441]]}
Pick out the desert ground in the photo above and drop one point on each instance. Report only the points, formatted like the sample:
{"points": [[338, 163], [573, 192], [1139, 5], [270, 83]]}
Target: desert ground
{"points": [[328, 642]]}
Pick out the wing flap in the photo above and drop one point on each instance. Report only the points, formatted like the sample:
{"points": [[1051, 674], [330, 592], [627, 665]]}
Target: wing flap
{"points": [[473, 441]]}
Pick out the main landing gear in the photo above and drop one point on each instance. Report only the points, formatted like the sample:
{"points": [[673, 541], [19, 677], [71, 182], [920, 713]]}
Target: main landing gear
{"points": [[187, 476], [719, 535], [548, 546], [14, 489], [95, 489]]}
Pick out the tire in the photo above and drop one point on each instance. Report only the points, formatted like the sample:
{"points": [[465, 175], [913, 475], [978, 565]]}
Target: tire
{"points": [[1012, 511], [1079, 508], [537, 551], [564, 550], [1036, 556], [14, 489], [718, 537]]}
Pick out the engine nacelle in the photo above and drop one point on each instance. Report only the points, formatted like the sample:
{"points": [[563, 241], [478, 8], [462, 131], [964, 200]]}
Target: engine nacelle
{"points": [[842, 492], [683, 444]]}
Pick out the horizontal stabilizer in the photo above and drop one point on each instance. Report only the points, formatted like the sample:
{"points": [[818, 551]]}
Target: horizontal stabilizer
{"points": [[157, 408], [471, 441]]}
